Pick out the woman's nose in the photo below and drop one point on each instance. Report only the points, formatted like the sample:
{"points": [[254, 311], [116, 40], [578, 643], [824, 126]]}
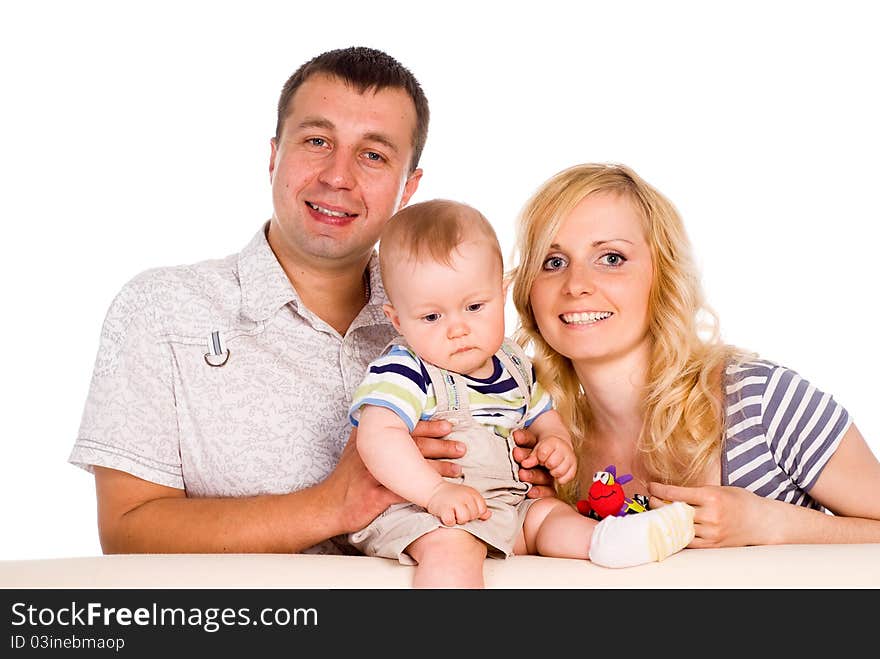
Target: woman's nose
{"points": [[579, 281]]}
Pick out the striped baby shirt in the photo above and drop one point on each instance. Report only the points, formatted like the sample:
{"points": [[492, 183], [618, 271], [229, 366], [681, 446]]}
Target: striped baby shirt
{"points": [[399, 381]]}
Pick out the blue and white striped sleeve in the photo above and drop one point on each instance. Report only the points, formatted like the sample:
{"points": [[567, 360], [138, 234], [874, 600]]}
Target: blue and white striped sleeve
{"points": [[396, 381], [803, 425]]}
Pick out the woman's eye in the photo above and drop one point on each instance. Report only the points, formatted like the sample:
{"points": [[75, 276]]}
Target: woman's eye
{"points": [[476, 306], [431, 317], [613, 259], [554, 263]]}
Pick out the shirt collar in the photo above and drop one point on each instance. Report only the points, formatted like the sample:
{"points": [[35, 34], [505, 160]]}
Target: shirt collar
{"points": [[265, 287]]}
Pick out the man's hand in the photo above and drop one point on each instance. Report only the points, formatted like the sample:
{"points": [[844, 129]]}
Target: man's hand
{"points": [[724, 516], [457, 504], [361, 497], [428, 438], [539, 477]]}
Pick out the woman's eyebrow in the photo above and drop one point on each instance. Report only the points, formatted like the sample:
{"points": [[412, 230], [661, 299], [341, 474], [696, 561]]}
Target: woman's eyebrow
{"points": [[597, 243]]}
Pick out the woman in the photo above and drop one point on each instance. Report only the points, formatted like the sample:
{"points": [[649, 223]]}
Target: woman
{"points": [[609, 298]]}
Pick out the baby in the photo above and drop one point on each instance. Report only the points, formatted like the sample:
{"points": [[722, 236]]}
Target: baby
{"points": [[443, 273]]}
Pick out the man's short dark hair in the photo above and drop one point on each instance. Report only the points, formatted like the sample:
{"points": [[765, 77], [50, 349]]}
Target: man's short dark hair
{"points": [[363, 68]]}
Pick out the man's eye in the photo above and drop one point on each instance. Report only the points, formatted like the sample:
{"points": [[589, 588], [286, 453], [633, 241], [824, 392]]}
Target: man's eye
{"points": [[476, 306], [373, 156], [317, 141], [554, 263], [431, 317], [613, 259]]}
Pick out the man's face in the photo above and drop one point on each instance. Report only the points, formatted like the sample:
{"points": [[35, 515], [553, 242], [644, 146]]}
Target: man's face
{"points": [[339, 170]]}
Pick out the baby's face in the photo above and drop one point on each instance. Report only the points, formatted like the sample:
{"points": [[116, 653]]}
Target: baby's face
{"points": [[452, 316]]}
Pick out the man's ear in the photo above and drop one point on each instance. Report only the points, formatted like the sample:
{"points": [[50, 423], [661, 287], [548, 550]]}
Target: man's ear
{"points": [[273, 145], [410, 187], [391, 314]]}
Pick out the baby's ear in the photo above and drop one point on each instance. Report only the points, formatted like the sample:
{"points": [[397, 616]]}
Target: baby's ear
{"points": [[391, 314], [505, 283]]}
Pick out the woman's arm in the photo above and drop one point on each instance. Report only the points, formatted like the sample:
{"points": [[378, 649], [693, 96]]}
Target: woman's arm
{"points": [[848, 486]]}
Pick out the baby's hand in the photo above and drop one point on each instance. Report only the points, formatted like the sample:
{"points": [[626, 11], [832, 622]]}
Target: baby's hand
{"points": [[557, 455], [457, 504]]}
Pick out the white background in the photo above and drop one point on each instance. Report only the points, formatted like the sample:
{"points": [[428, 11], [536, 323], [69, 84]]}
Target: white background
{"points": [[138, 136]]}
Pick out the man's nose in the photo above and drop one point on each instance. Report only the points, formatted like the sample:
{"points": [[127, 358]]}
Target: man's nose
{"points": [[338, 171]]}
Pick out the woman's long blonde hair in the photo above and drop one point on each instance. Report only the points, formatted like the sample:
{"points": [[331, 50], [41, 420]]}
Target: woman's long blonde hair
{"points": [[683, 408]]}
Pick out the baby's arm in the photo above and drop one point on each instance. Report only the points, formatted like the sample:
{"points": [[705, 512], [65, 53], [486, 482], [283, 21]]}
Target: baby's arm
{"points": [[553, 447], [388, 451]]}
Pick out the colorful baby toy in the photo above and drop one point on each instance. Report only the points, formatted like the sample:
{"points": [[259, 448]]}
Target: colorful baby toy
{"points": [[605, 496]]}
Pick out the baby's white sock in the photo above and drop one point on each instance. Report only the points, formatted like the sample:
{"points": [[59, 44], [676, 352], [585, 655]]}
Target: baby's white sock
{"points": [[643, 537]]}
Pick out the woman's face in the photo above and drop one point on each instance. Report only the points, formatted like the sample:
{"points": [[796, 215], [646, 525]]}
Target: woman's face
{"points": [[590, 299]]}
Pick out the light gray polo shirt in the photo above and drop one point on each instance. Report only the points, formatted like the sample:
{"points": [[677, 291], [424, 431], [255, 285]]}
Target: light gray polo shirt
{"points": [[273, 418]]}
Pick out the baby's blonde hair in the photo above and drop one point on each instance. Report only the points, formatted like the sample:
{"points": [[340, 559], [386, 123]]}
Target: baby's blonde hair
{"points": [[431, 229]]}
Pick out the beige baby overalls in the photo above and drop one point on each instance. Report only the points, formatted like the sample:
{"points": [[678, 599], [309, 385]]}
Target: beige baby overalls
{"points": [[487, 466]]}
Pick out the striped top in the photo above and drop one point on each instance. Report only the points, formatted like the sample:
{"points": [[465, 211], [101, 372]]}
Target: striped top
{"points": [[399, 381], [781, 432]]}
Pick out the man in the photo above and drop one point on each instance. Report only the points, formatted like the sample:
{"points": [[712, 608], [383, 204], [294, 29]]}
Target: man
{"points": [[217, 415]]}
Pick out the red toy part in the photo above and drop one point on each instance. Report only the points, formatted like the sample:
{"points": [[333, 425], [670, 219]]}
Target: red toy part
{"points": [[605, 496]]}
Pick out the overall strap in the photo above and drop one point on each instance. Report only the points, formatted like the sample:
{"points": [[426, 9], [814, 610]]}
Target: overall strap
{"points": [[448, 395], [514, 358], [447, 386]]}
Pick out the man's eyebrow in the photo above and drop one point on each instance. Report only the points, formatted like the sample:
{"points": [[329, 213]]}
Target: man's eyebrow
{"points": [[381, 139], [316, 122], [326, 124], [597, 243]]}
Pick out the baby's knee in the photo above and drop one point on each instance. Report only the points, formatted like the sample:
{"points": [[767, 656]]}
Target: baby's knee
{"points": [[442, 543], [544, 508]]}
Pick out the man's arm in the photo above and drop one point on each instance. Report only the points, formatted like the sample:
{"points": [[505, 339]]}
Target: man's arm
{"points": [[137, 516]]}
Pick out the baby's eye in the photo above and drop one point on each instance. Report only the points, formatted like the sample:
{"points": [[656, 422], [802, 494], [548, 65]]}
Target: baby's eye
{"points": [[554, 263], [476, 306], [431, 317], [613, 259]]}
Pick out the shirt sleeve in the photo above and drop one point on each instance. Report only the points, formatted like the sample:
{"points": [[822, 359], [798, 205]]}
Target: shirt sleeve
{"points": [[803, 425], [540, 401], [396, 381], [130, 419]]}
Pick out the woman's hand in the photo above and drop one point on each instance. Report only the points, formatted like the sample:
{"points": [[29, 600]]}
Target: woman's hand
{"points": [[724, 516]]}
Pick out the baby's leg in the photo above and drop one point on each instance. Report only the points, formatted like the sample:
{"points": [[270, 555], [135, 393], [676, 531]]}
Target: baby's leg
{"points": [[553, 528], [556, 529], [448, 558], [643, 537]]}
